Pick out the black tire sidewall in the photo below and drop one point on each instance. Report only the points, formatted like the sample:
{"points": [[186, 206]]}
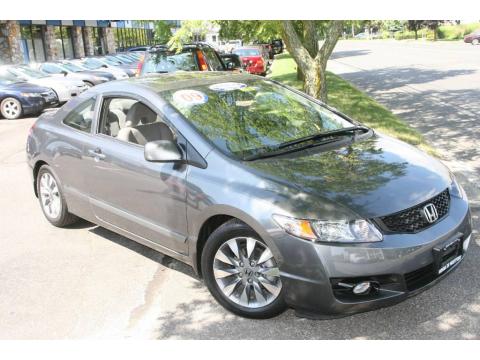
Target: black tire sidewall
{"points": [[224, 233], [62, 218]]}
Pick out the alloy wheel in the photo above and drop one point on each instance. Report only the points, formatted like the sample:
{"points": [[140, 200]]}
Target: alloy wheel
{"points": [[50, 196], [11, 108], [246, 272]]}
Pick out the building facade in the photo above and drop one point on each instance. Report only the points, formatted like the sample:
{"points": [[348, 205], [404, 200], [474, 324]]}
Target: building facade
{"points": [[24, 41]]}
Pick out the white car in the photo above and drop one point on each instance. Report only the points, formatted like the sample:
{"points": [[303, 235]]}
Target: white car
{"points": [[63, 87], [97, 65]]}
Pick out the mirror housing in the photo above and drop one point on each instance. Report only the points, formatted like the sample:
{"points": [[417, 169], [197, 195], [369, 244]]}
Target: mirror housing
{"points": [[64, 73], [163, 151], [104, 66]]}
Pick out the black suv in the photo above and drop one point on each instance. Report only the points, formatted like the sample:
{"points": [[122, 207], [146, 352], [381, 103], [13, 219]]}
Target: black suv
{"points": [[192, 57]]}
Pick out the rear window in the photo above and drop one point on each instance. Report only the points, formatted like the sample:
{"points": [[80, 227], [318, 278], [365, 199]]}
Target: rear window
{"points": [[169, 61], [247, 52]]}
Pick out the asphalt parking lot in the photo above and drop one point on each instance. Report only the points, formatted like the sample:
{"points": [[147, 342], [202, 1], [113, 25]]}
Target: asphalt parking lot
{"points": [[87, 282]]}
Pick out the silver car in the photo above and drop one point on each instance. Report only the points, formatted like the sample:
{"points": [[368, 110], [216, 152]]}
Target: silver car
{"points": [[273, 198]]}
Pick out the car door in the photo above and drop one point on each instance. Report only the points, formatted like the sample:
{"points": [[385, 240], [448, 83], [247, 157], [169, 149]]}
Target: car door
{"points": [[142, 198]]}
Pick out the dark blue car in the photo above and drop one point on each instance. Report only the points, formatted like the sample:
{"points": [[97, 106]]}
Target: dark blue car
{"points": [[22, 98]]}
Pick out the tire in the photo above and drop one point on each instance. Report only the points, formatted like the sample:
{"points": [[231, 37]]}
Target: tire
{"points": [[11, 108], [56, 211], [89, 84], [475, 42], [255, 292]]}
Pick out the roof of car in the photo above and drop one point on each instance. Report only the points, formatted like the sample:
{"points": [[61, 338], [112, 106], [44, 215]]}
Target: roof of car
{"points": [[179, 80]]}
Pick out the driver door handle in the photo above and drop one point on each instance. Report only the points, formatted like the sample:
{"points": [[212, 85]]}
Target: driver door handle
{"points": [[97, 154]]}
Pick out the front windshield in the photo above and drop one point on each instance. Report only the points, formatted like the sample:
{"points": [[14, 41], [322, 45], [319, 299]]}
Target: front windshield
{"points": [[113, 60], [92, 63], [252, 116], [31, 72], [72, 67], [168, 61], [247, 52]]}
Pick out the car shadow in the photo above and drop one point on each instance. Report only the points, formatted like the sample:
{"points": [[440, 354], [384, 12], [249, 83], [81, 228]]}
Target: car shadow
{"points": [[348, 53]]}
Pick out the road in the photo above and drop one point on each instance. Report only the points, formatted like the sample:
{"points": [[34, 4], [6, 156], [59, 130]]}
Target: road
{"points": [[87, 282]]}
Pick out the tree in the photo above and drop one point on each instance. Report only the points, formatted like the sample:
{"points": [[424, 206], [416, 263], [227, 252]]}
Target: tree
{"points": [[433, 25], [311, 58], [190, 30], [249, 30], [162, 31], [415, 25]]}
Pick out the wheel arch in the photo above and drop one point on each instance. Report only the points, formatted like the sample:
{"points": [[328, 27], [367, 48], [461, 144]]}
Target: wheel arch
{"points": [[36, 169], [212, 220]]}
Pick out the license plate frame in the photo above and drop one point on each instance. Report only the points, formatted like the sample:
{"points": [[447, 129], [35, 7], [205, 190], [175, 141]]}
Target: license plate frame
{"points": [[448, 254]]}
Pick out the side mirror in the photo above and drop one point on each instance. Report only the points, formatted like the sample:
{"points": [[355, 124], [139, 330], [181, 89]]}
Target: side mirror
{"points": [[64, 73], [163, 151], [104, 66]]}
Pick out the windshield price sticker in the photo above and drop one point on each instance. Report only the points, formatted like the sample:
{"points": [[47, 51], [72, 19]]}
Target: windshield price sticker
{"points": [[227, 86], [189, 97]]}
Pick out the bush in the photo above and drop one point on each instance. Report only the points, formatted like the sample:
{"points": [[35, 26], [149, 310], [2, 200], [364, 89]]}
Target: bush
{"points": [[456, 32]]}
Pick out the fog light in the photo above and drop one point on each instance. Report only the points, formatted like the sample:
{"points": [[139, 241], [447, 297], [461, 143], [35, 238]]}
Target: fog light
{"points": [[466, 242], [362, 288]]}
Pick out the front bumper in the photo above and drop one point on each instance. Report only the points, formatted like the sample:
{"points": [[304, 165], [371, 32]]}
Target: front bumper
{"points": [[402, 265], [33, 105]]}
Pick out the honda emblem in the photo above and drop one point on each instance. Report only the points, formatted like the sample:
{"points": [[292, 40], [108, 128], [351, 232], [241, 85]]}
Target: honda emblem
{"points": [[430, 212]]}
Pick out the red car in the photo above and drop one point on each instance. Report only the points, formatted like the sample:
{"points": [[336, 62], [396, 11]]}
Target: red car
{"points": [[253, 59], [473, 38]]}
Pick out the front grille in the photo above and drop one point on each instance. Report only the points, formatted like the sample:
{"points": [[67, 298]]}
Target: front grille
{"points": [[412, 220], [420, 277]]}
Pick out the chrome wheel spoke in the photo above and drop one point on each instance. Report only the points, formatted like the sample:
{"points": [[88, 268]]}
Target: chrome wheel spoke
{"points": [[259, 297], [250, 246], [273, 271], [50, 196], [225, 259], [230, 288], [271, 288], [266, 255], [221, 273], [232, 244]]}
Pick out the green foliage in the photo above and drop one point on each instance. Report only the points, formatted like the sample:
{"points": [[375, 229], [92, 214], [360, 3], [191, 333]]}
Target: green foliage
{"points": [[351, 101], [162, 32], [190, 30], [456, 32], [249, 30]]}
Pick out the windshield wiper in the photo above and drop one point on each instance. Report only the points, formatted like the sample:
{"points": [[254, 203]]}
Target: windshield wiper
{"points": [[327, 134]]}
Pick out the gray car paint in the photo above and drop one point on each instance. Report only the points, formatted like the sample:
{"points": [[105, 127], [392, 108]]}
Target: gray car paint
{"points": [[165, 206]]}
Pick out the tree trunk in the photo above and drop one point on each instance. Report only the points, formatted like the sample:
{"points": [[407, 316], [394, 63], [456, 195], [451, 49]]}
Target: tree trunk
{"points": [[312, 84], [416, 34]]}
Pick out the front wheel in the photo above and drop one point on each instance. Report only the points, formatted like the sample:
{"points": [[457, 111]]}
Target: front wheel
{"points": [[11, 108], [241, 272]]}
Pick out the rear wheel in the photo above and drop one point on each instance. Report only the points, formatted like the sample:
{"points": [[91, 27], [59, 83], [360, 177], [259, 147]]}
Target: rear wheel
{"points": [[241, 272], [52, 200], [11, 108], [475, 42]]}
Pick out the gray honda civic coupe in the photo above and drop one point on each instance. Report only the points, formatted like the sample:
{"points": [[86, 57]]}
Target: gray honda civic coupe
{"points": [[274, 198]]}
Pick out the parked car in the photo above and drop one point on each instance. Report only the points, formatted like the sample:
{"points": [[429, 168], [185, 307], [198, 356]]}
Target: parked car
{"points": [[63, 87], [71, 71], [246, 180], [473, 38], [231, 45], [232, 62], [99, 62], [122, 61], [18, 98], [277, 46], [253, 58], [96, 65], [139, 49], [192, 57]]}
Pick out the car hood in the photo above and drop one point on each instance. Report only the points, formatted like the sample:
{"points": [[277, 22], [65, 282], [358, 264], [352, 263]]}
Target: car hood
{"points": [[24, 87], [55, 81], [372, 177]]}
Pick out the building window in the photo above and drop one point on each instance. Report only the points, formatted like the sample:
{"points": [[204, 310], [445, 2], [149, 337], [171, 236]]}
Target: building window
{"points": [[67, 42], [32, 35]]}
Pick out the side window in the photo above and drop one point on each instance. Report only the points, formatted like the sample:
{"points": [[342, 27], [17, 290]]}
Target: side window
{"points": [[132, 121], [213, 59], [81, 117]]}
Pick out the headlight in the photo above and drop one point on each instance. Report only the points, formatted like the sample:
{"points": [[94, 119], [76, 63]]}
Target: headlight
{"points": [[457, 189], [30, 95], [340, 231]]}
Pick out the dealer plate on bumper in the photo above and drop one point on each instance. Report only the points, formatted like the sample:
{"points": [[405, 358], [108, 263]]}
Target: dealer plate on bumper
{"points": [[448, 254]]}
